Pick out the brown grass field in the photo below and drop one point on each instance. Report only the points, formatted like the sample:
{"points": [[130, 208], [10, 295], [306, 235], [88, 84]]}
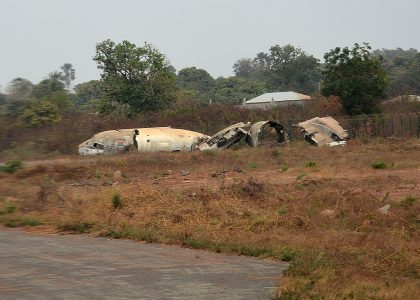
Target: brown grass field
{"points": [[315, 207]]}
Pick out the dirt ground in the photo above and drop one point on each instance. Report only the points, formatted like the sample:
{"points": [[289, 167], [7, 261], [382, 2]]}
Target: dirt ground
{"points": [[347, 218]]}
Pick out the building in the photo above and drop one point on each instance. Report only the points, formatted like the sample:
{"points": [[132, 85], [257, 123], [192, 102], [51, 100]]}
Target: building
{"points": [[269, 100]]}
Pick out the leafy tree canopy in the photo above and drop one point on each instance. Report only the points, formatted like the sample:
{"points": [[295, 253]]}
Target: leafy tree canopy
{"points": [[88, 91], [195, 79], [236, 89], [403, 69], [134, 79], [39, 113], [19, 88], [283, 68], [68, 74], [60, 99], [356, 77], [47, 87]]}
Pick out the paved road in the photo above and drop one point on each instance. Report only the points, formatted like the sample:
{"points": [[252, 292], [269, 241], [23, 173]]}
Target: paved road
{"points": [[37, 266]]}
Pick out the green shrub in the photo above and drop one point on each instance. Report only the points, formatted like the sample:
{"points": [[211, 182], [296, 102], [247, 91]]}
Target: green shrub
{"points": [[282, 210], [8, 208], [284, 168], [275, 152], [310, 164], [116, 201], [287, 254], [252, 165], [22, 222], [78, 227], [11, 166], [407, 201], [300, 176], [379, 165]]}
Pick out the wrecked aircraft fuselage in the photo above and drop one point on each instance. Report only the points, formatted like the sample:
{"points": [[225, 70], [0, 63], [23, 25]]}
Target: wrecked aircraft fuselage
{"points": [[256, 128], [324, 131], [226, 137], [173, 140], [143, 140], [111, 141]]}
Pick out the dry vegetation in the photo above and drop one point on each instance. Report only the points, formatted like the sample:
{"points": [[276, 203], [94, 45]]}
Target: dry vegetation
{"points": [[315, 207]]}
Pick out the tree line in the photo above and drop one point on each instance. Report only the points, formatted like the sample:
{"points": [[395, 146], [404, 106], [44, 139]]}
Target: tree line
{"points": [[137, 79]]}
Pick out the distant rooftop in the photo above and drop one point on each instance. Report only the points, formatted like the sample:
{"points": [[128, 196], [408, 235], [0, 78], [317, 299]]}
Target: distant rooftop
{"points": [[278, 97]]}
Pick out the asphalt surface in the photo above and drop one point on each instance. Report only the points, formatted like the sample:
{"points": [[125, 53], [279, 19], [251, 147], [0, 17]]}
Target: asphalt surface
{"points": [[45, 266]]}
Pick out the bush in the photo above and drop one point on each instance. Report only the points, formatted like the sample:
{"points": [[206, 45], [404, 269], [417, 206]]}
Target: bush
{"points": [[284, 168], [379, 165], [11, 166], [287, 254], [300, 176], [407, 201], [252, 165], [78, 227], [8, 209], [310, 164], [282, 210], [116, 201], [22, 222]]}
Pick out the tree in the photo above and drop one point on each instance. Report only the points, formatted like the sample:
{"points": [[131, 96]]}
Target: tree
{"points": [[68, 74], [235, 89], [87, 91], [19, 88], [47, 87], [291, 69], [282, 68], [403, 69], [356, 77], [39, 113], [60, 99], [195, 79], [244, 67], [134, 79]]}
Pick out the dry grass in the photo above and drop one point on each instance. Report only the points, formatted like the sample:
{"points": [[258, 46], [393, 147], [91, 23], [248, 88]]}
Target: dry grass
{"points": [[326, 223]]}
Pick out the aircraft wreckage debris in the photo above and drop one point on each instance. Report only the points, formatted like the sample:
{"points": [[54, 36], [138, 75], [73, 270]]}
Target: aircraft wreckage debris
{"points": [[324, 132], [320, 131]]}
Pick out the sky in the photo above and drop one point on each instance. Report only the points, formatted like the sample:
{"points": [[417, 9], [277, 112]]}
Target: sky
{"points": [[38, 36]]}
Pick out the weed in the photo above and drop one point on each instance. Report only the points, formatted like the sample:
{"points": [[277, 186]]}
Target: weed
{"points": [[251, 188], [8, 208], [275, 152], [379, 165], [78, 227], [146, 235], [284, 168], [11, 166], [407, 201], [282, 211], [300, 176], [116, 201], [252, 165], [310, 164], [97, 174], [287, 254], [23, 222]]}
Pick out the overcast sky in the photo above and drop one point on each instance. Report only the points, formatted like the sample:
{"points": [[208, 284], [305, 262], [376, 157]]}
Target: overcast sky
{"points": [[38, 36]]}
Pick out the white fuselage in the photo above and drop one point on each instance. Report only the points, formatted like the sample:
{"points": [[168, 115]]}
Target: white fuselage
{"points": [[142, 139], [167, 139]]}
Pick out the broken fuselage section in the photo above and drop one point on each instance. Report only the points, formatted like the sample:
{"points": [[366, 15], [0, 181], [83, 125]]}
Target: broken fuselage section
{"points": [[324, 131], [173, 140], [142, 139]]}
